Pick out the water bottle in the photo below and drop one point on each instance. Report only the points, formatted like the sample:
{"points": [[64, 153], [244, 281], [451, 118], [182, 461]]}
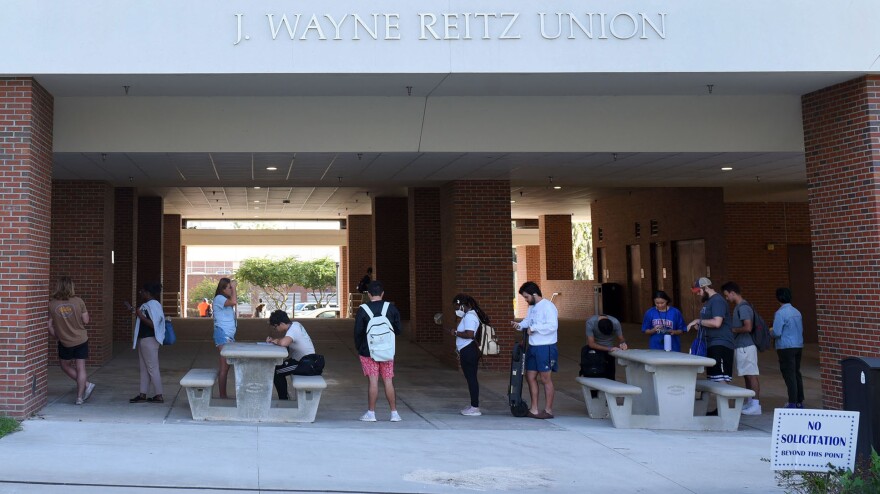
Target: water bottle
{"points": [[667, 342]]}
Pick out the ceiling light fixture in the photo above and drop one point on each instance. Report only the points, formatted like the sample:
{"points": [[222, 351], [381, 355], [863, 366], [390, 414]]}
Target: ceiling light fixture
{"points": [[512, 201], [726, 168], [257, 188], [271, 168], [256, 201]]}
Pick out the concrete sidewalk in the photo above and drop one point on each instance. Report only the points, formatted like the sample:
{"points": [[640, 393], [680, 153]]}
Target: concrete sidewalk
{"points": [[109, 445]]}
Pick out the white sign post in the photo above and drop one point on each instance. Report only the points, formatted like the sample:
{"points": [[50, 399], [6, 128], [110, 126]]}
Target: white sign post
{"points": [[811, 440]]}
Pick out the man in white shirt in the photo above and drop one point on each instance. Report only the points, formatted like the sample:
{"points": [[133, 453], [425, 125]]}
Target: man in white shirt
{"points": [[541, 324], [301, 360]]}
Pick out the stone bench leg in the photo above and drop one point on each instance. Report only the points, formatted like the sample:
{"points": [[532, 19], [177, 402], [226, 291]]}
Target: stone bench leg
{"points": [[620, 413], [199, 402], [728, 414], [597, 408], [307, 402]]}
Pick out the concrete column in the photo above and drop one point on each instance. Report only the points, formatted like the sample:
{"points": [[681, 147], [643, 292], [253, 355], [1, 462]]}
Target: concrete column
{"points": [[391, 250], [25, 201], [82, 242], [425, 269], [842, 145], [172, 266], [125, 261], [554, 233], [359, 254], [477, 254], [150, 236]]}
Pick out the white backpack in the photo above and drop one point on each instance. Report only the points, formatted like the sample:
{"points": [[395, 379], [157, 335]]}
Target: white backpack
{"points": [[487, 340], [380, 335]]}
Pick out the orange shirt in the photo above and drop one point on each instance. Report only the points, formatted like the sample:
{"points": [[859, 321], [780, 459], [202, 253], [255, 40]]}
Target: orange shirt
{"points": [[203, 308]]}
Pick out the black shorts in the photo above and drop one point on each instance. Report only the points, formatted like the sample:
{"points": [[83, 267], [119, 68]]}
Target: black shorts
{"points": [[723, 368], [73, 353]]}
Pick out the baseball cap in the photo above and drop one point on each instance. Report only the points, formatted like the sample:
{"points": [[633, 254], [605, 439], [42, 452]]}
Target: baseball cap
{"points": [[701, 283]]}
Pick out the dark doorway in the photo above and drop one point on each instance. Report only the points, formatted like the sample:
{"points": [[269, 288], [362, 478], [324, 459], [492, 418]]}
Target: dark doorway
{"points": [[688, 264], [803, 291], [600, 264], [634, 281], [657, 267]]}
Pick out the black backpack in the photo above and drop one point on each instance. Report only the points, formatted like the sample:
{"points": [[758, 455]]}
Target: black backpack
{"points": [[592, 363], [760, 331]]}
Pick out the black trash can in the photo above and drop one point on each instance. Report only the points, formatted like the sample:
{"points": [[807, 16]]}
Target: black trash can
{"points": [[612, 300], [861, 393]]}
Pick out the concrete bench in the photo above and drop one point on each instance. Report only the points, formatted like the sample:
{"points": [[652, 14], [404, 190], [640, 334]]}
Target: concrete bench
{"points": [[198, 384], [606, 401], [308, 396], [729, 400]]}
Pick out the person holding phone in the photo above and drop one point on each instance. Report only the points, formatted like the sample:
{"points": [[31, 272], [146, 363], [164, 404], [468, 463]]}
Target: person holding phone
{"points": [[149, 333], [663, 319], [225, 301]]}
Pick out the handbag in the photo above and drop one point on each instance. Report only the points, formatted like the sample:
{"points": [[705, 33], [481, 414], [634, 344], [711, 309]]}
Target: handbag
{"points": [[170, 337], [698, 347]]}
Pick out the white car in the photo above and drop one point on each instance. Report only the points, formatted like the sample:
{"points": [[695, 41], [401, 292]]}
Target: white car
{"points": [[322, 313]]}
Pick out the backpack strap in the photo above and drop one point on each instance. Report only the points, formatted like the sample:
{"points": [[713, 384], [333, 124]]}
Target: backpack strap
{"points": [[368, 311], [385, 308]]}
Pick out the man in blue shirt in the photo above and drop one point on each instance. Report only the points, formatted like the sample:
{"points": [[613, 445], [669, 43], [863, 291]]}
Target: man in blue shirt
{"points": [[788, 332]]}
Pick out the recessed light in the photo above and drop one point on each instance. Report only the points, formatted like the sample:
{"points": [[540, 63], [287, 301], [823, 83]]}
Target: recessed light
{"points": [[256, 201], [726, 168], [557, 187], [271, 168], [512, 201], [257, 188]]}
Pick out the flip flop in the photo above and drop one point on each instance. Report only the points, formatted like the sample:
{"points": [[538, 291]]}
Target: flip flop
{"points": [[546, 415], [539, 415]]}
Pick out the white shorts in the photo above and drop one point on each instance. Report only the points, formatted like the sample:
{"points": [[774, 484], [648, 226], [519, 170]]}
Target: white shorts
{"points": [[747, 361]]}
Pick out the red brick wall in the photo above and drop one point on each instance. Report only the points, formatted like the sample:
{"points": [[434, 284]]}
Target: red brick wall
{"points": [[391, 250], [26, 120], [82, 241], [172, 269], [682, 213], [842, 145], [477, 254], [360, 250], [425, 269], [343, 277], [748, 229], [575, 299], [124, 268], [554, 234], [528, 268], [150, 235]]}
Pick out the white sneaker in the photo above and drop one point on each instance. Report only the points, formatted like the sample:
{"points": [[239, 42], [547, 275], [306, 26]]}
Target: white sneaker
{"points": [[89, 388], [752, 409], [368, 416], [395, 417], [471, 412], [79, 401]]}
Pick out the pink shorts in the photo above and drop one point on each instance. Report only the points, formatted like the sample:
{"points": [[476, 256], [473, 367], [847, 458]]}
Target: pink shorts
{"points": [[373, 368]]}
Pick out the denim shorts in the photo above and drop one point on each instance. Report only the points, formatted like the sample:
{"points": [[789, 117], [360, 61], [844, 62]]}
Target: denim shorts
{"points": [[221, 337], [542, 358]]}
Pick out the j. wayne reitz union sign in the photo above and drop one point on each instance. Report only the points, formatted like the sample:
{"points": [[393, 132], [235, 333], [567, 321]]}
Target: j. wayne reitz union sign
{"points": [[446, 26]]}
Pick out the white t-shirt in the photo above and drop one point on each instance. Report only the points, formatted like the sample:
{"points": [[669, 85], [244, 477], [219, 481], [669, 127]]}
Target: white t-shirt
{"points": [[301, 344], [543, 319], [470, 322]]}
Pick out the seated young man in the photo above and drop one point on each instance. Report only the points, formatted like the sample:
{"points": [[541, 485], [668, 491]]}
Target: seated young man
{"points": [[302, 360]]}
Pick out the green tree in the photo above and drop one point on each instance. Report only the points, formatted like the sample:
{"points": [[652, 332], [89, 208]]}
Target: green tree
{"points": [[275, 277], [319, 276], [203, 289], [582, 250]]}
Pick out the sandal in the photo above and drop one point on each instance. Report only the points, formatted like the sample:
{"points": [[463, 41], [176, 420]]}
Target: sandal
{"points": [[141, 398], [539, 415], [156, 399]]}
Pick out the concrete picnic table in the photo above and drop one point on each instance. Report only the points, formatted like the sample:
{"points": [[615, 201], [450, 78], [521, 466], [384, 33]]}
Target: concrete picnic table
{"points": [[254, 365]]}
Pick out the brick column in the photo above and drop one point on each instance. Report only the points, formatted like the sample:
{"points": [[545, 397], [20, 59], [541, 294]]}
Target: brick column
{"points": [[172, 269], [554, 235], [359, 254], [842, 144], [26, 119], [125, 261], [343, 276], [425, 270], [150, 235], [528, 268], [391, 250], [477, 254], [82, 242]]}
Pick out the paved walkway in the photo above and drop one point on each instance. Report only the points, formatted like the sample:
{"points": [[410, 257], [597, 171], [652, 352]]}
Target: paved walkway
{"points": [[109, 445]]}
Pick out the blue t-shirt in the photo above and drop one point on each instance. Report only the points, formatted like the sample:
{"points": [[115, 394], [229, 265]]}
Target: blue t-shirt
{"points": [[716, 306], [669, 319], [224, 316]]}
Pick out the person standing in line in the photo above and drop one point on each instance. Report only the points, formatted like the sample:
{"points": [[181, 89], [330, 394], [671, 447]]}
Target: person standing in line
{"points": [[715, 318], [662, 320], [373, 369], [225, 302], [742, 322], [149, 333], [788, 332], [67, 319], [542, 324], [470, 317]]}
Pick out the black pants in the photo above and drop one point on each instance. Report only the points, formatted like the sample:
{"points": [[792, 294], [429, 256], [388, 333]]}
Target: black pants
{"points": [[790, 366], [469, 357], [311, 365]]}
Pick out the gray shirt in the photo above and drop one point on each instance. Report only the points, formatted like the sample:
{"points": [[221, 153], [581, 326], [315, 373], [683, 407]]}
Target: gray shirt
{"points": [[742, 312], [716, 306], [602, 339]]}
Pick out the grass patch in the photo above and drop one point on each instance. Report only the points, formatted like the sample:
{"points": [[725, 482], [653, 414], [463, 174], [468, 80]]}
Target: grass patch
{"points": [[8, 426]]}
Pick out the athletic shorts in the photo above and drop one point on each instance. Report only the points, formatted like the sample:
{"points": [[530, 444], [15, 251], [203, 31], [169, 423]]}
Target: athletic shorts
{"points": [[747, 361], [373, 368], [221, 337], [542, 358], [722, 371], [79, 352]]}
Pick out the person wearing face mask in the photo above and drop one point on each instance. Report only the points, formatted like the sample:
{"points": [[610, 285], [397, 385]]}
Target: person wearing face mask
{"points": [[663, 319], [470, 317]]}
